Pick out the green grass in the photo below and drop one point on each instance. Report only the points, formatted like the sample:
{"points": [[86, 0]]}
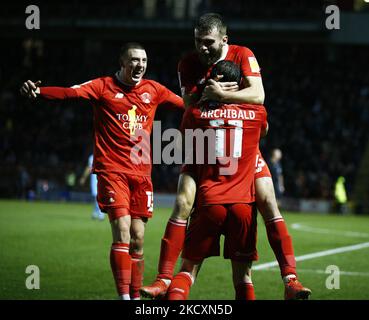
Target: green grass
{"points": [[72, 252]]}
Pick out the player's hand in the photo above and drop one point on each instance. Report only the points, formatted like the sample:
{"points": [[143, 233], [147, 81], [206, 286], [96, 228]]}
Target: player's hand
{"points": [[229, 86], [30, 89], [212, 92]]}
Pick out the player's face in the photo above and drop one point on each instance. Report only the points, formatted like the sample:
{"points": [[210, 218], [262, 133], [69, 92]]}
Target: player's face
{"points": [[210, 45], [134, 65]]}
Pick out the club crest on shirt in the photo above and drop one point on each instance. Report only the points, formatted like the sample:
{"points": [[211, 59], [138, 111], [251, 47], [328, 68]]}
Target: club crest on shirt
{"points": [[146, 97]]}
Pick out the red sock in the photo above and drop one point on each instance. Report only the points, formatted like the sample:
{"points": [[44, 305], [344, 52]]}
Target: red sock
{"points": [[281, 243], [137, 274], [245, 291], [171, 247], [179, 288], [120, 262]]}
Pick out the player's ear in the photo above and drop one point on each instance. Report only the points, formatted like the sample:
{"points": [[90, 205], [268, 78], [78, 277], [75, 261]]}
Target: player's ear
{"points": [[121, 61], [225, 39]]}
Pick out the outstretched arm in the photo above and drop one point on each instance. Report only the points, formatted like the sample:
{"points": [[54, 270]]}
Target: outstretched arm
{"points": [[89, 90], [32, 90]]}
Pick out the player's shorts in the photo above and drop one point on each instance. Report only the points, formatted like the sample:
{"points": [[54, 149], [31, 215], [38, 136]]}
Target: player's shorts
{"points": [[238, 223], [125, 191], [262, 169]]}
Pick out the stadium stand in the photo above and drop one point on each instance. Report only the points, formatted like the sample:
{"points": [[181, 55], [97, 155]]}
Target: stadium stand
{"points": [[317, 94]]}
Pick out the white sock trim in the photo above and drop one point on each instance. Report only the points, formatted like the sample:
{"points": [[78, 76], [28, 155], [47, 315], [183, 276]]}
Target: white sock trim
{"points": [[167, 282], [190, 275], [288, 277]]}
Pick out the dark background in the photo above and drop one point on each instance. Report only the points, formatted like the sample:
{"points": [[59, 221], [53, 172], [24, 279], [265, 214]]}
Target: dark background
{"points": [[316, 82]]}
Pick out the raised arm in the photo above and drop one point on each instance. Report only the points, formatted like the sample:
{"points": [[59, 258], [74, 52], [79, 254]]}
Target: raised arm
{"points": [[88, 90]]}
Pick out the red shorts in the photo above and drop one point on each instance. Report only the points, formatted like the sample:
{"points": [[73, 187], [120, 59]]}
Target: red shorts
{"points": [[120, 190], [238, 223]]}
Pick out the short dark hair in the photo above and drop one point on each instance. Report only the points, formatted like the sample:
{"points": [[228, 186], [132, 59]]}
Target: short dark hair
{"points": [[230, 71], [209, 21], [129, 45]]}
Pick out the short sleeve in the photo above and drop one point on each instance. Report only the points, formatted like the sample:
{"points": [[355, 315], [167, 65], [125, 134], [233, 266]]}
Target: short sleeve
{"points": [[249, 64]]}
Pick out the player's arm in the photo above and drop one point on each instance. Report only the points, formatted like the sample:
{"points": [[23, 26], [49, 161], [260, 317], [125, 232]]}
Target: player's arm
{"points": [[175, 100], [264, 130], [32, 90], [85, 174], [169, 99], [87, 90], [187, 85], [227, 92], [190, 99]]}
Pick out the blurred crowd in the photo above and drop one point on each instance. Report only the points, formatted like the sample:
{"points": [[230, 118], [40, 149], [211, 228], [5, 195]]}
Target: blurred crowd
{"points": [[317, 97], [177, 10]]}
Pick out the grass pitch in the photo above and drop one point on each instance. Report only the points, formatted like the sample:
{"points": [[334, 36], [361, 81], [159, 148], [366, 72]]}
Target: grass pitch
{"points": [[72, 253]]}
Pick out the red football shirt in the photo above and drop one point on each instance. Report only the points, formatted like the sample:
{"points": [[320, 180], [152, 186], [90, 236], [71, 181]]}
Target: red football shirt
{"points": [[123, 120], [193, 74], [235, 132]]}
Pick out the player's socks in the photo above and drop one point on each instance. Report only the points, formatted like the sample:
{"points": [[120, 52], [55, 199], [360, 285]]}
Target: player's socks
{"points": [[171, 247], [179, 289], [137, 275], [245, 291], [281, 243], [121, 266]]}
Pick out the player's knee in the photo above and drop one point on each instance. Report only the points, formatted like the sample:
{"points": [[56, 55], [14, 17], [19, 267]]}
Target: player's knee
{"points": [[137, 245], [267, 205], [183, 206], [121, 231]]}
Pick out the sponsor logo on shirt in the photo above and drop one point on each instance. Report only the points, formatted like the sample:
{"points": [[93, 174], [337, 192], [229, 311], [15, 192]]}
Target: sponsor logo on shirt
{"points": [[254, 66], [131, 120], [119, 95]]}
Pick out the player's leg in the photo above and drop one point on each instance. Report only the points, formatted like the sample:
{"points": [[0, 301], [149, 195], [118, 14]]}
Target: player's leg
{"points": [[120, 259], [137, 254], [240, 246], [241, 274], [202, 241], [114, 198], [172, 241], [180, 286], [278, 236]]}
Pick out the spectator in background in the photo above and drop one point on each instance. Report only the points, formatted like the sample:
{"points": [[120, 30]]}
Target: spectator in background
{"points": [[23, 182], [70, 182], [340, 195], [275, 167], [96, 214]]}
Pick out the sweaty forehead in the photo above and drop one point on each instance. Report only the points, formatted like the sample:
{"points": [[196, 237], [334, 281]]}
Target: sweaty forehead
{"points": [[212, 34], [136, 53]]}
